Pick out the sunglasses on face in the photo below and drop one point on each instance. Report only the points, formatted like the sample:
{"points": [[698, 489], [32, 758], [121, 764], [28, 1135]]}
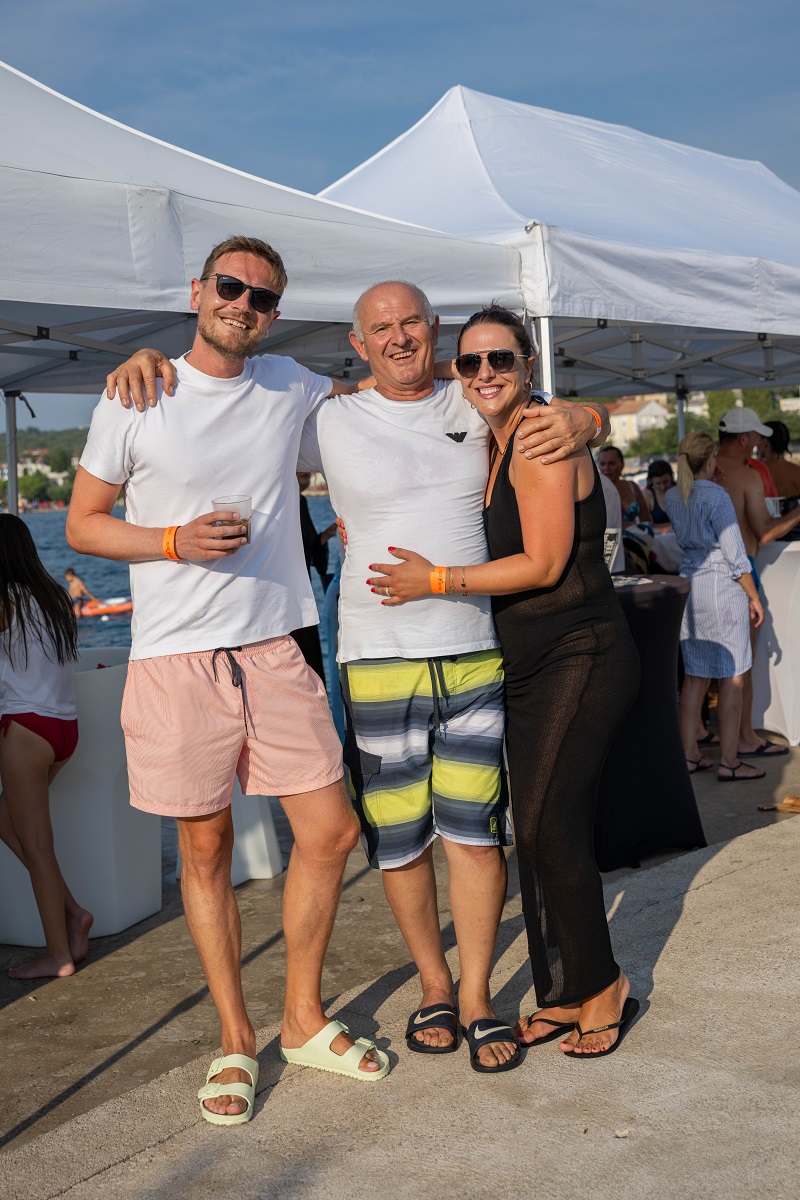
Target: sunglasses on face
{"points": [[468, 365], [262, 300]]}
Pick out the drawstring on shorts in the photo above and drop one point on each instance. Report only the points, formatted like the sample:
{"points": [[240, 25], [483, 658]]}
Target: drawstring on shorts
{"points": [[439, 690], [237, 678]]}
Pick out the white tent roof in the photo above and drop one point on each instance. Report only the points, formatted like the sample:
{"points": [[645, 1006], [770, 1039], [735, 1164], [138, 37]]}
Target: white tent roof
{"points": [[657, 241], [103, 227]]}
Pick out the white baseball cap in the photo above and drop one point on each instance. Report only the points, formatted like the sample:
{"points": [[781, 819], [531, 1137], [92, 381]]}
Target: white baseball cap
{"points": [[743, 420]]}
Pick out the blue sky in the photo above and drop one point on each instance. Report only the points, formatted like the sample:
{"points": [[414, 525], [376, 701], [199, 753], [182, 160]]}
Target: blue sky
{"points": [[300, 93]]}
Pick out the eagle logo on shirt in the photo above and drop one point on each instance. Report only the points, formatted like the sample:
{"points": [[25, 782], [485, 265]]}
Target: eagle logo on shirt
{"points": [[458, 437]]}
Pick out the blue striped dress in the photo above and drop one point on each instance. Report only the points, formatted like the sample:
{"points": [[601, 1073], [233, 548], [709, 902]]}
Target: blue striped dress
{"points": [[715, 633]]}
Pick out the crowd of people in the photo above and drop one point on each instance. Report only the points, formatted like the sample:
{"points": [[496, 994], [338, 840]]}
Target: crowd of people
{"points": [[476, 614]]}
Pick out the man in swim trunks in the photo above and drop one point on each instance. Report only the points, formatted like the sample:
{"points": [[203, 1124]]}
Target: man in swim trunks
{"points": [[739, 431], [406, 462], [78, 591], [216, 685]]}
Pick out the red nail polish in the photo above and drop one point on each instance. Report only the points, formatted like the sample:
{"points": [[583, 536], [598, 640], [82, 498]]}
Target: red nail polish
{"points": [[391, 549], [372, 589]]}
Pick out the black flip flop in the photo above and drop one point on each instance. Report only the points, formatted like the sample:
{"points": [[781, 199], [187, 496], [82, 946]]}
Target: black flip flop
{"points": [[434, 1016], [734, 778], [484, 1032], [629, 1011], [560, 1030], [767, 749]]}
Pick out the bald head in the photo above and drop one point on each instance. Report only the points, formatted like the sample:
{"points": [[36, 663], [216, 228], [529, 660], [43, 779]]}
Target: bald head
{"points": [[376, 291]]}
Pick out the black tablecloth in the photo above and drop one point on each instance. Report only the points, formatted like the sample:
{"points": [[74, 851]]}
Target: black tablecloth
{"points": [[646, 802]]}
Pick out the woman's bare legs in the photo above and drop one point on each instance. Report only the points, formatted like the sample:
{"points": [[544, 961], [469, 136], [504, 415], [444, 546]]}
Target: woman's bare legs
{"points": [[729, 712], [27, 768], [691, 703], [79, 920]]}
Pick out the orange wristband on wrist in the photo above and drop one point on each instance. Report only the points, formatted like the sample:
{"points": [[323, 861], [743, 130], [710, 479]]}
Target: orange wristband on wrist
{"points": [[596, 416], [168, 544], [439, 581]]}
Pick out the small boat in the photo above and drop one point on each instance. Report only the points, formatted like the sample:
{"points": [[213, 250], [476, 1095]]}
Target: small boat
{"points": [[114, 606]]}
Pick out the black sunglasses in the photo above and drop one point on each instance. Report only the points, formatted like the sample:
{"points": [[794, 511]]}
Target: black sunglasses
{"points": [[468, 365], [231, 288]]}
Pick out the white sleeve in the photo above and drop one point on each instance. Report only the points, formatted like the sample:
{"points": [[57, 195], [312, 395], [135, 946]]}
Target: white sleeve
{"points": [[108, 453], [309, 457], [316, 388]]}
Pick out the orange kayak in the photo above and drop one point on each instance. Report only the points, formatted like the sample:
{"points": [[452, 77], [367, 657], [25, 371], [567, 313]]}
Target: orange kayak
{"points": [[102, 608]]}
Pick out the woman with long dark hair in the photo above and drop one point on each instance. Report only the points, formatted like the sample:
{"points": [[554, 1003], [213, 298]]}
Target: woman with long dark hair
{"points": [[571, 671], [38, 734]]}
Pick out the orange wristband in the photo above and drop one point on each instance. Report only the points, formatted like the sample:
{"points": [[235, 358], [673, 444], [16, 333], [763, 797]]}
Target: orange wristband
{"points": [[168, 544], [439, 581], [596, 416]]}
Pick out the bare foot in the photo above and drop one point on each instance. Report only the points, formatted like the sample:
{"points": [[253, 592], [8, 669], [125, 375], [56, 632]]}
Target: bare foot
{"points": [[232, 1106], [78, 925], [294, 1036], [43, 968], [436, 1036], [493, 1054], [536, 1028], [603, 1009]]}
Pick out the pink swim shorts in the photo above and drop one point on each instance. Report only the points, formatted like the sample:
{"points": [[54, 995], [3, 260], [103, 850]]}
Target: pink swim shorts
{"points": [[193, 721]]}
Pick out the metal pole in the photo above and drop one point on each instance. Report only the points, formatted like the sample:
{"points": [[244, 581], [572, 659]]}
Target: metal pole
{"points": [[12, 497], [547, 362], [681, 392]]}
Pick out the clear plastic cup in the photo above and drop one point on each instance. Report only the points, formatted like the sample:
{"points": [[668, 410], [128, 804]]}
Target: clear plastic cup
{"points": [[241, 504]]}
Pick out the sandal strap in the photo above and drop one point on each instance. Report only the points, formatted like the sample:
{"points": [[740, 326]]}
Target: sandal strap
{"points": [[600, 1028], [241, 1062], [352, 1057], [433, 1016], [548, 1021], [478, 1037], [245, 1091]]}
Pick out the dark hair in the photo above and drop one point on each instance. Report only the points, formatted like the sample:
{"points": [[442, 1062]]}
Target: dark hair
{"points": [[495, 314], [239, 244], [31, 597], [724, 439], [779, 441], [615, 450], [659, 466]]}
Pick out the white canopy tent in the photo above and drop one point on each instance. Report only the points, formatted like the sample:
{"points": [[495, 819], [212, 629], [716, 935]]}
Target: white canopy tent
{"points": [[103, 228], [644, 259]]}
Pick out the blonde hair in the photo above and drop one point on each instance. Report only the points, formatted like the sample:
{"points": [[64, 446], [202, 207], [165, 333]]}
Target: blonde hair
{"points": [[693, 453]]}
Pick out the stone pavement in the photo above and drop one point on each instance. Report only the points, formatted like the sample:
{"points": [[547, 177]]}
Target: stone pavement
{"points": [[700, 1101]]}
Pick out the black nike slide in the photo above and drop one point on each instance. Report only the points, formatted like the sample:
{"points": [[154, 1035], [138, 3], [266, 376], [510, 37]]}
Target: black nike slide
{"points": [[484, 1032], [435, 1016]]}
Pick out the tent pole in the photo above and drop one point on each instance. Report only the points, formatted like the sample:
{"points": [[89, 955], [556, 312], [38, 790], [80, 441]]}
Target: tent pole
{"points": [[681, 392], [547, 363], [12, 497]]}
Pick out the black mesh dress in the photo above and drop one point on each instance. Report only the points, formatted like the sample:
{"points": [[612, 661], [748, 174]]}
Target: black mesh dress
{"points": [[572, 673]]}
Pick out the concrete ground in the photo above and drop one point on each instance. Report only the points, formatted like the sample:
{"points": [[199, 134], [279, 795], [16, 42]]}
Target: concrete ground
{"points": [[703, 1085]]}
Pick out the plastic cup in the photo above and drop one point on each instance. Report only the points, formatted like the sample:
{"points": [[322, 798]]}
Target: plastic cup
{"points": [[241, 504]]}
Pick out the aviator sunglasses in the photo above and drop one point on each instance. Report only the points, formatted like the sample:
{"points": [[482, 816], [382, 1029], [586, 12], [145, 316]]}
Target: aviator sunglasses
{"points": [[468, 365], [231, 288]]}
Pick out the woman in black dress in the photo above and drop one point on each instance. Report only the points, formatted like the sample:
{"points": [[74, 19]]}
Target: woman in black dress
{"points": [[572, 672]]}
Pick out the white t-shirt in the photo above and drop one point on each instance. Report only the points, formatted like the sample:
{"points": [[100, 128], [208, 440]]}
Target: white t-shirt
{"points": [[40, 684], [214, 437], [413, 474]]}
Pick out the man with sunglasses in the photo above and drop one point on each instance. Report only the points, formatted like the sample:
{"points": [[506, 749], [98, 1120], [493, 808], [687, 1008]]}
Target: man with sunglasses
{"points": [[216, 685], [406, 462]]}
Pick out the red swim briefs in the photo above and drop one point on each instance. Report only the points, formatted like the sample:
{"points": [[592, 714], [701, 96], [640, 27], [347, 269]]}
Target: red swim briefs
{"points": [[61, 736]]}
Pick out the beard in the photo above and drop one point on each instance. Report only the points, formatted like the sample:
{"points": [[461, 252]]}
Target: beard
{"points": [[233, 344]]}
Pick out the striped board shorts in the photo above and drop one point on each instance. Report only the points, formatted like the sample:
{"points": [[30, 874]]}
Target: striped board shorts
{"points": [[424, 750]]}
